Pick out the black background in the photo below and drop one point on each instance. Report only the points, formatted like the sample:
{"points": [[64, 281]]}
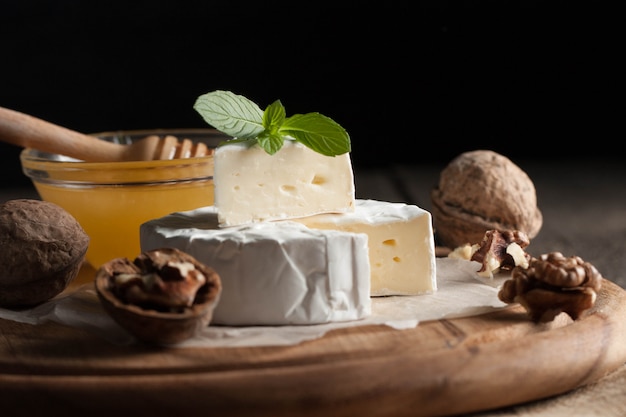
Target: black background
{"points": [[411, 81]]}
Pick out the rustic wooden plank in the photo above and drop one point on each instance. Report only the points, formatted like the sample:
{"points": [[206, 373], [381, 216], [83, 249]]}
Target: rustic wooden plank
{"points": [[439, 368], [584, 209], [377, 184], [417, 181]]}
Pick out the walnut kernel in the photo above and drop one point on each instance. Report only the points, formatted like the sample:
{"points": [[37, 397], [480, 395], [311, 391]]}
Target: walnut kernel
{"points": [[164, 296], [501, 250], [553, 284], [162, 281], [498, 250]]}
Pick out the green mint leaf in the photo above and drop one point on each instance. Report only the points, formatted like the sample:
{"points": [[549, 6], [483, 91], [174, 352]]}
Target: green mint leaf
{"points": [[232, 114], [243, 120], [270, 142], [318, 132], [274, 116]]}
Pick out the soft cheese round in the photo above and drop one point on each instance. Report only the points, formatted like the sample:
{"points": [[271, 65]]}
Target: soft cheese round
{"points": [[273, 273]]}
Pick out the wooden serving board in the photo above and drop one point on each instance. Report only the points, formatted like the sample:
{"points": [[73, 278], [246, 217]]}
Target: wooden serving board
{"points": [[441, 367]]}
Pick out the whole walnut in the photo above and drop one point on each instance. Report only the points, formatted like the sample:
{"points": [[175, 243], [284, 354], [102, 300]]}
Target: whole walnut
{"points": [[43, 248], [482, 190]]}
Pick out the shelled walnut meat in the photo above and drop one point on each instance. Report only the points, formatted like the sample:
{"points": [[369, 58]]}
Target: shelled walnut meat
{"points": [[553, 284], [497, 251], [164, 296], [482, 190], [43, 248]]}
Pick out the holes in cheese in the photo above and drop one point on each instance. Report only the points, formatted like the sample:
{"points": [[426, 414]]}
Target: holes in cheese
{"points": [[402, 265], [318, 180], [316, 183]]}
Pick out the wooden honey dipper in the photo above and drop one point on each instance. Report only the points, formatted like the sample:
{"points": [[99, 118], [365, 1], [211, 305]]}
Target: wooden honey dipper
{"points": [[30, 132]]}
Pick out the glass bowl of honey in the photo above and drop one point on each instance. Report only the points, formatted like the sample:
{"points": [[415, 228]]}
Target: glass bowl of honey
{"points": [[111, 200]]}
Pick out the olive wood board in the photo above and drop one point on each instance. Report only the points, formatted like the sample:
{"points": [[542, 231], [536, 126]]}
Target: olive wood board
{"points": [[439, 368]]}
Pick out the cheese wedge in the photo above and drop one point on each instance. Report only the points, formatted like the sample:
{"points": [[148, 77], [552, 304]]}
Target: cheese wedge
{"points": [[252, 186], [401, 244], [272, 273]]}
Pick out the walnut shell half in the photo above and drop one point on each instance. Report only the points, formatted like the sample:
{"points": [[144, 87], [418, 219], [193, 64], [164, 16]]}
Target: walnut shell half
{"points": [[164, 297], [43, 248], [482, 190]]}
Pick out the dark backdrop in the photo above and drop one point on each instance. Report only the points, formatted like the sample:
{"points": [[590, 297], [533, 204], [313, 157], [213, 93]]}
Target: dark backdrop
{"points": [[411, 81]]}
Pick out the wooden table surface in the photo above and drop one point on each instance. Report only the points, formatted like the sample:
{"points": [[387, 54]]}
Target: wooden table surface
{"points": [[584, 209]]}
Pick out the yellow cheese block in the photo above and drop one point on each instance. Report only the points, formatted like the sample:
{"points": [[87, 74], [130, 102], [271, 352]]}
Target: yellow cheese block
{"points": [[253, 186], [401, 244]]}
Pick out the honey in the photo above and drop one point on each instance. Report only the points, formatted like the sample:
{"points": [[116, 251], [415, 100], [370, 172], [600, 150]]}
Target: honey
{"points": [[111, 200], [111, 216]]}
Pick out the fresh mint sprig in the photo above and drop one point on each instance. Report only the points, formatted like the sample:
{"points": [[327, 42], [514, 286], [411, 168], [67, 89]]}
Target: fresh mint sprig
{"points": [[244, 120]]}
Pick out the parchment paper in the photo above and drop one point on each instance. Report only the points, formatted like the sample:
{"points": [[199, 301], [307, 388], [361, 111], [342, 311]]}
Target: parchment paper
{"points": [[461, 292]]}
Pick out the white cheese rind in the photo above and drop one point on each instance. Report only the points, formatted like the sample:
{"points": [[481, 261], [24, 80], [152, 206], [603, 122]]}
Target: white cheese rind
{"points": [[253, 186], [401, 244], [272, 273]]}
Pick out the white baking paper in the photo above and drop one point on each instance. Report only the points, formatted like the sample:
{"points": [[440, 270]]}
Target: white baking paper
{"points": [[461, 293]]}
